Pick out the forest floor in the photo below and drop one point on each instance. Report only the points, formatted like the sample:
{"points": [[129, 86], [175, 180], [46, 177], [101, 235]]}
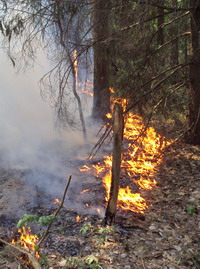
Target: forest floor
{"points": [[167, 237]]}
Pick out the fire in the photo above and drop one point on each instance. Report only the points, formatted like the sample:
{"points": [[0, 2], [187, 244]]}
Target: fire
{"points": [[84, 168], [75, 65], [140, 160], [78, 218], [57, 201], [84, 191], [83, 88], [27, 240]]}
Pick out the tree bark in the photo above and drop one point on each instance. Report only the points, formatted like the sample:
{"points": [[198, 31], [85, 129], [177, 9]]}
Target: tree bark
{"points": [[194, 105], [118, 126], [161, 20], [174, 33], [101, 101]]}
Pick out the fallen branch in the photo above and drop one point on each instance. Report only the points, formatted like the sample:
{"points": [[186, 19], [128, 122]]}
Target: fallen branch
{"points": [[31, 257], [55, 213]]}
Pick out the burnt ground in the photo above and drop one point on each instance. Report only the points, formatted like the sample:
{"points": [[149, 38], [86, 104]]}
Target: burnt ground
{"points": [[167, 236]]}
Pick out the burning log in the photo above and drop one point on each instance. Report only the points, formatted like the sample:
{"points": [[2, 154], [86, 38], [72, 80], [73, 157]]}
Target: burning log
{"points": [[118, 127]]}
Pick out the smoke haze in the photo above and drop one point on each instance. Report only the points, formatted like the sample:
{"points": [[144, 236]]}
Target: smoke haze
{"points": [[28, 139]]}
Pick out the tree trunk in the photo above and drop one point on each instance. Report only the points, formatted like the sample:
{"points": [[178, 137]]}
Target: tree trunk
{"points": [[161, 21], [118, 126], [101, 101], [194, 105], [174, 34]]}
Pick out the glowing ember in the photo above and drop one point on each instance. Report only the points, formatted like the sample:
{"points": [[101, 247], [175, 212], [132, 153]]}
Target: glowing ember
{"points": [[98, 210], [84, 191], [78, 218], [84, 168], [27, 240], [57, 201]]}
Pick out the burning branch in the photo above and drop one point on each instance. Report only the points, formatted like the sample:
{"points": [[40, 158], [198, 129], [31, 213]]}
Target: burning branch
{"points": [[118, 127], [55, 213]]}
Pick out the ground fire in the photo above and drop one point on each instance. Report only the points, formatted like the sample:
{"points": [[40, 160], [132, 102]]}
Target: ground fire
{"points": [[140, 161], [27, 240]]}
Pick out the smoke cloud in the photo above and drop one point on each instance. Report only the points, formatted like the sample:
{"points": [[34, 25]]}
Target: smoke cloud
{"points": [[28, 138]]}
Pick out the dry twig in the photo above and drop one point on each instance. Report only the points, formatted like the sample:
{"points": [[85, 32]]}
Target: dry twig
{"points": [[55, 213]]}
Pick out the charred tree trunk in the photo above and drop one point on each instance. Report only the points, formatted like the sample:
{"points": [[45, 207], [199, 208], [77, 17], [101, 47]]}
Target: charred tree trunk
{"points": [[194, 106], [101, 101], [118, 126]]}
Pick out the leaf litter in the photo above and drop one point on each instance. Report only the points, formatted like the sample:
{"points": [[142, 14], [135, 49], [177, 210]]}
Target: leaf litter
{"points": [[167, 236]]}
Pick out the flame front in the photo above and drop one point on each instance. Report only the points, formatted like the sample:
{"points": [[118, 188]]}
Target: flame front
{"points": [[140, 161]]}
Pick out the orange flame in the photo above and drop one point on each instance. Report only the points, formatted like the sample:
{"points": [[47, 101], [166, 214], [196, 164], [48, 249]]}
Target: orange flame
{"points": [[84, 168], [27, 240], [78, 218], [57, 201], [75, 65], [140, 160], [87, 86], [84, 191]]}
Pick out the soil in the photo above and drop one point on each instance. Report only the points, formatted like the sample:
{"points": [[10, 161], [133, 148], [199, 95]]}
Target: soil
{"points": [[167, 236]]}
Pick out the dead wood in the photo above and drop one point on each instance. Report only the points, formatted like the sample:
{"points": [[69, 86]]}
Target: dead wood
{"points": [[118, 126]]}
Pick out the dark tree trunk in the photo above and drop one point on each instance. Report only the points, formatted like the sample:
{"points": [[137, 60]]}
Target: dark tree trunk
{"points": [[118, 127], [161, 21], [174, 55], [101, 101], [194, 106], [174, 34]]}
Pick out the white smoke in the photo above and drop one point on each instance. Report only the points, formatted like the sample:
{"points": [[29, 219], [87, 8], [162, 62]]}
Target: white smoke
{"points": [[28, 138], [29, 141]]}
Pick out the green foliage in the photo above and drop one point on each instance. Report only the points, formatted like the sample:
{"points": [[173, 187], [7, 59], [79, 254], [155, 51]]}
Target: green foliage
{"points": [[74, 262], [188, 256], [89, 261], [99, 233], [86, 229], [43, 259], [190, 209], [93, 262], [46, 220], [26, 218]]}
